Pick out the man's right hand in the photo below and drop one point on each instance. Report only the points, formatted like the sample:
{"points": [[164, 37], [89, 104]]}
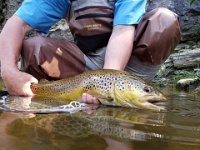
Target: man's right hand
{"points": [[17, 82], [11, 39]]}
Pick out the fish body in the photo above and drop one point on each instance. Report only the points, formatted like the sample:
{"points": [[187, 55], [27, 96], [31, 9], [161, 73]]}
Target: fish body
{"points": [[111, 87]]}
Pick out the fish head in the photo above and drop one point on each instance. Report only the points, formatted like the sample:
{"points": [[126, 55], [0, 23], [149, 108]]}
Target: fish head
{"points": [[135, 92]]}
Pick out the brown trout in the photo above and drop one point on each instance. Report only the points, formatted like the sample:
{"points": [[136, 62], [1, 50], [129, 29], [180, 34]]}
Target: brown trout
{"points": [[111, 87]]}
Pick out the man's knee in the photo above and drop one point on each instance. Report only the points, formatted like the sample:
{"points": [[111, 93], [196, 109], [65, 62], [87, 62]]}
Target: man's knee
{"points": [[168, 24], [165, 14], [158, 26]]}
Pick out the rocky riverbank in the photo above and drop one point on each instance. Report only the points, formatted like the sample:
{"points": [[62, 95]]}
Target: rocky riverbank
{"points": [[184, 62]]}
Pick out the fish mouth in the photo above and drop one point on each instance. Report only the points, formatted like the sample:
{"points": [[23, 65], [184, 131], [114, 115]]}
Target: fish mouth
{"points": [[153, 99], [149, 102]]}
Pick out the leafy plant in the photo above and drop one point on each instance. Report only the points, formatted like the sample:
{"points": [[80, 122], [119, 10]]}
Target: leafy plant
{"points": [[182, 75], [192, 1]]}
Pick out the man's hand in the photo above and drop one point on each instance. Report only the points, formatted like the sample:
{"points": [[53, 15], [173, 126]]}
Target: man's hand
{"points": [[18, 83], [11, 39], [89, 99]]}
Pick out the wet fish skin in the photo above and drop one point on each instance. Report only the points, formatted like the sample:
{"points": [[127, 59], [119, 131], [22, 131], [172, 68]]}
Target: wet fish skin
{"points": [[111, 87]]}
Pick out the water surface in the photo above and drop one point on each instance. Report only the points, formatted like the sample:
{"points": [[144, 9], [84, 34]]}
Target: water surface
{"points": [[107, 128]]}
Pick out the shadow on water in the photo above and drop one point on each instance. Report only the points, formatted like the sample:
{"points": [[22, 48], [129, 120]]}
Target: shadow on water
{"points": [[105, 128]]}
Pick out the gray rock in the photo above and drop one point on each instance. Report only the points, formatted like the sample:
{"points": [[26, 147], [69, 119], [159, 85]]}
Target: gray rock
{"points": [[186, 59], [182, 46], [185, 83]]}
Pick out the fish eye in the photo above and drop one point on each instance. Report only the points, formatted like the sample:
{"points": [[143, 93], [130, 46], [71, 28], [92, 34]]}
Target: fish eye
{"points": [[147, 89]]}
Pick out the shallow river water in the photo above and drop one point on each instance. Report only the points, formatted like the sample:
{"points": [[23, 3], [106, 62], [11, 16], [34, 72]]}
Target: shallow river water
{"points": [[107, 128]]}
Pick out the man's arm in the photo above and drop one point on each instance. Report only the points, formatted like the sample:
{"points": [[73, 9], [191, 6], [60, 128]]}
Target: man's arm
{"points": [[11, 38], [127, 13], [119, 47], [118, 52]]}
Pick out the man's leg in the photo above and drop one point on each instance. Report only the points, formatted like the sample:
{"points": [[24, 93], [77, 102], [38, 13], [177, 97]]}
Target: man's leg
{"points": [[52, 58], [157, 35]]}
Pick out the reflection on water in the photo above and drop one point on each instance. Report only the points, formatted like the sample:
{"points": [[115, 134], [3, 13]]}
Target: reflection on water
{"points": [[106, 128]]}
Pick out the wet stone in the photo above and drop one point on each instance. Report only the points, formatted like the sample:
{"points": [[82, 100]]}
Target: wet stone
{"points": [[188, 83]]}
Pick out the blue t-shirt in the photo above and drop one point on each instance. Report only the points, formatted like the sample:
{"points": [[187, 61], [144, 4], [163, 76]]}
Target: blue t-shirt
{"points": [[42, 14]]}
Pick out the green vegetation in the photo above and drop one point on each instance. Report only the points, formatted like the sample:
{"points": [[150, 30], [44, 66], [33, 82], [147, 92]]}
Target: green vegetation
{"points": [[179, 76], [172, 79], [192, 1]]}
